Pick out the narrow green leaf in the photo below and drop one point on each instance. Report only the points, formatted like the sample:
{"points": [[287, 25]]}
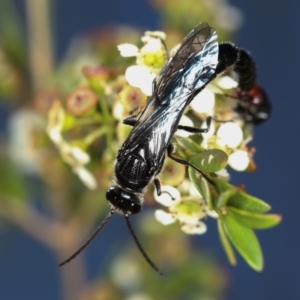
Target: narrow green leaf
{"points": [[247, 202], [245, 241], [226, 244], [252, 219], [210, 161], [201, 185], [223, 198]]}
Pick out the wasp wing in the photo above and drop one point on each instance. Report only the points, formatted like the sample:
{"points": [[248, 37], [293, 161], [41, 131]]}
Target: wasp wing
{"points": [[190, 69], [193, 64]]}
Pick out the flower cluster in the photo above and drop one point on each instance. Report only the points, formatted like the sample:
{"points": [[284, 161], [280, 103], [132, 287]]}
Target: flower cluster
{"points": [[188, 210], [70, 153], [226, 131]]}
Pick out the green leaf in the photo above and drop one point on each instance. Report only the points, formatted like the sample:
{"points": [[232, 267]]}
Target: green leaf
{"points": [[245, 241], [223, 198], [247, 202], [223, 186], [226, 244], [201, 185], [187, 143], [252, 219], [210, 161]]}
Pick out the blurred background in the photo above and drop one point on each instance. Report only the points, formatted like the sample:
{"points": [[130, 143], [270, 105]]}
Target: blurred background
{"points": [[28, 257]]}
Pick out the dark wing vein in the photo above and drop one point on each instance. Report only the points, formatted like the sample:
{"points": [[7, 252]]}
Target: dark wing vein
{"points": [[193, 64]]}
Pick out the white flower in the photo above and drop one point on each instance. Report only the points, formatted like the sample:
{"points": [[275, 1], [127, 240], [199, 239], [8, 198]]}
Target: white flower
{"points": [[239, 160], [86, 177], [128, 50], [149, 60], [73, 155], [22, 149], [77, 159], [222, 173], [204, 102], [164, 217], [212, 214], [169, 195], [152, 44], [141, 77], [154, 34], [119, 112], [229, 134], [194, 228], [188, 211], [226, 82]]}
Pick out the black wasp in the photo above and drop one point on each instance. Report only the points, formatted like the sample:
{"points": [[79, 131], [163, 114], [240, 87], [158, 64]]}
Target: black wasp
{"points": [[197, 62]]}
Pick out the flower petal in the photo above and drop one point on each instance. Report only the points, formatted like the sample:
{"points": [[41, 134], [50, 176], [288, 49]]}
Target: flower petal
{"points": [[139, 76], [227, 82], [80, 156], [198, 228], [86, 177], [204, 102], [239, 160], [230, 134], [165, 197], [128, 50], [164, 217]]}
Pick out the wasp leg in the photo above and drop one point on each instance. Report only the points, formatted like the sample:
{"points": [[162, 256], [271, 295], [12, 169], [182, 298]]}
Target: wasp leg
{"points": [[158, 188], [131, 121], [170, 151], [197, 130]]}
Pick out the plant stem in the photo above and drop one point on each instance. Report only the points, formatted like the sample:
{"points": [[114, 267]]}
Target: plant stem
{"points": [[29, 220], [40, 42], [72, 275], [90, 138]]}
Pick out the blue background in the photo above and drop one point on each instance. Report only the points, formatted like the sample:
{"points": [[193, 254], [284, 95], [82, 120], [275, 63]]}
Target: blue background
{"points": [[271, 32]]}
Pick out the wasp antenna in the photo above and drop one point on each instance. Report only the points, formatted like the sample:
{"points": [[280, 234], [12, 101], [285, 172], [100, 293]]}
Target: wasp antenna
{"points": [[149, 261], [88, 241]]}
